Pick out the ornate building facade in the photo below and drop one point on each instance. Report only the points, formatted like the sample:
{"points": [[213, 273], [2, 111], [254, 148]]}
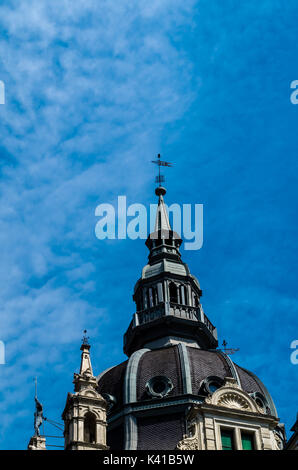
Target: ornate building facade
{"points": [[85, 411], [176, 390]]}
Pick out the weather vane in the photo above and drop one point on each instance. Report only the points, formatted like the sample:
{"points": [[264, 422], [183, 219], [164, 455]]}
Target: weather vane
{"points": [[85, 338], [160, 178], [228, 350]]}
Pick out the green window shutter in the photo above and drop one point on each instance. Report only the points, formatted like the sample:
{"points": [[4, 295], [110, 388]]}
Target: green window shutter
{"points": [[227, 439], [247, 441]]}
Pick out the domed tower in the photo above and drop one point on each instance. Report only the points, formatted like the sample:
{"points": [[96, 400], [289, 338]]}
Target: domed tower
{"points": [[161, 397], [167, 296]]}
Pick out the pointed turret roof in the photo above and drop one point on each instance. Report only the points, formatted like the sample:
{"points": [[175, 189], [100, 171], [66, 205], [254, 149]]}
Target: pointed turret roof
{"points": [[85, 377], [162, 219], [86, 366], [163, 242]]}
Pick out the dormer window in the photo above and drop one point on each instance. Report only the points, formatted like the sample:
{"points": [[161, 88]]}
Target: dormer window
{"points": [[211, 384], [159, 386], [261, 401]]}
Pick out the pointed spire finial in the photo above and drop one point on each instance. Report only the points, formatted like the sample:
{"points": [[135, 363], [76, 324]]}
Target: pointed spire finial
{"points": [[162, 220], [85, 374]]}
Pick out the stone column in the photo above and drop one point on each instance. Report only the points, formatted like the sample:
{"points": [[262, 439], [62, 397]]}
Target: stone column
{"points": [[80, 429], [189, 296], [160, 292], [100, 432]]}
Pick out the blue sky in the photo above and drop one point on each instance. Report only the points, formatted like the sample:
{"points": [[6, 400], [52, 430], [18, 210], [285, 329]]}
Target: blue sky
{"points": [[94, 90]]}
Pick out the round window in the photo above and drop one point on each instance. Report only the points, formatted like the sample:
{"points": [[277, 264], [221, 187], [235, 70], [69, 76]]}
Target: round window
{"points": [[260, 401], [213, 386], [111, 400], [210, 384], [159, 386]]}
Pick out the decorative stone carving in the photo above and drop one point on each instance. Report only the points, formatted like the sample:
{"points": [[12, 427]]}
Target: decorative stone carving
{"points": [[85, 410], [278, 444], [234, 400], [260, 410], [231, 382], [188, 443], [230, 395], [190, 440]]}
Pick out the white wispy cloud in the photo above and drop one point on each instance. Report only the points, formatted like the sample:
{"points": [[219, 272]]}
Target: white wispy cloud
{"points": [[89, 87]]}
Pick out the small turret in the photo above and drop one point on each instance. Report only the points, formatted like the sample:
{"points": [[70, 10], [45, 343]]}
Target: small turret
{"points": [[85, 410]]}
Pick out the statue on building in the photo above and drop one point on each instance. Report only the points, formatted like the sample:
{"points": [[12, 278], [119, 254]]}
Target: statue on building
{"points": [[38, 416], [37, 442]]}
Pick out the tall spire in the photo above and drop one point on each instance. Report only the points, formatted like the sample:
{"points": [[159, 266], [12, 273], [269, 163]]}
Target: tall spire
{"points": [[162, 219], [163, 242], [85, 376], [86, 366], [167, 295]]}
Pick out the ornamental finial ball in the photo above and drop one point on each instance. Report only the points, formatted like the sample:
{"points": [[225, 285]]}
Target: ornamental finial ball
{"points": [[160, 191]]}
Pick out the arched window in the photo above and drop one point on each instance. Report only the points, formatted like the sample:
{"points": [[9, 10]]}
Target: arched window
{"points": [[186, 295], [155, 297], [139, 304], [90, 428], [150, 297], [173, 293]]}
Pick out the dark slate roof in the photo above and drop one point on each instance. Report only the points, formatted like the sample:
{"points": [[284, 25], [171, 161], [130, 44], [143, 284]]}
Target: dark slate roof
{"points": [[159, 362], [111, 382], [248, 383], [166, 361], [206, 363], [162, 433]]}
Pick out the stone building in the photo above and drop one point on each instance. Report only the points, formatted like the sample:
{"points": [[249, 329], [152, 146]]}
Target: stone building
{"points": [[176, 390], [85, 414]]}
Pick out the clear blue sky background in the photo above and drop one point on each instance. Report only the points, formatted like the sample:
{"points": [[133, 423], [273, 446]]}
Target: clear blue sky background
{"points": [[94, 90]]}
